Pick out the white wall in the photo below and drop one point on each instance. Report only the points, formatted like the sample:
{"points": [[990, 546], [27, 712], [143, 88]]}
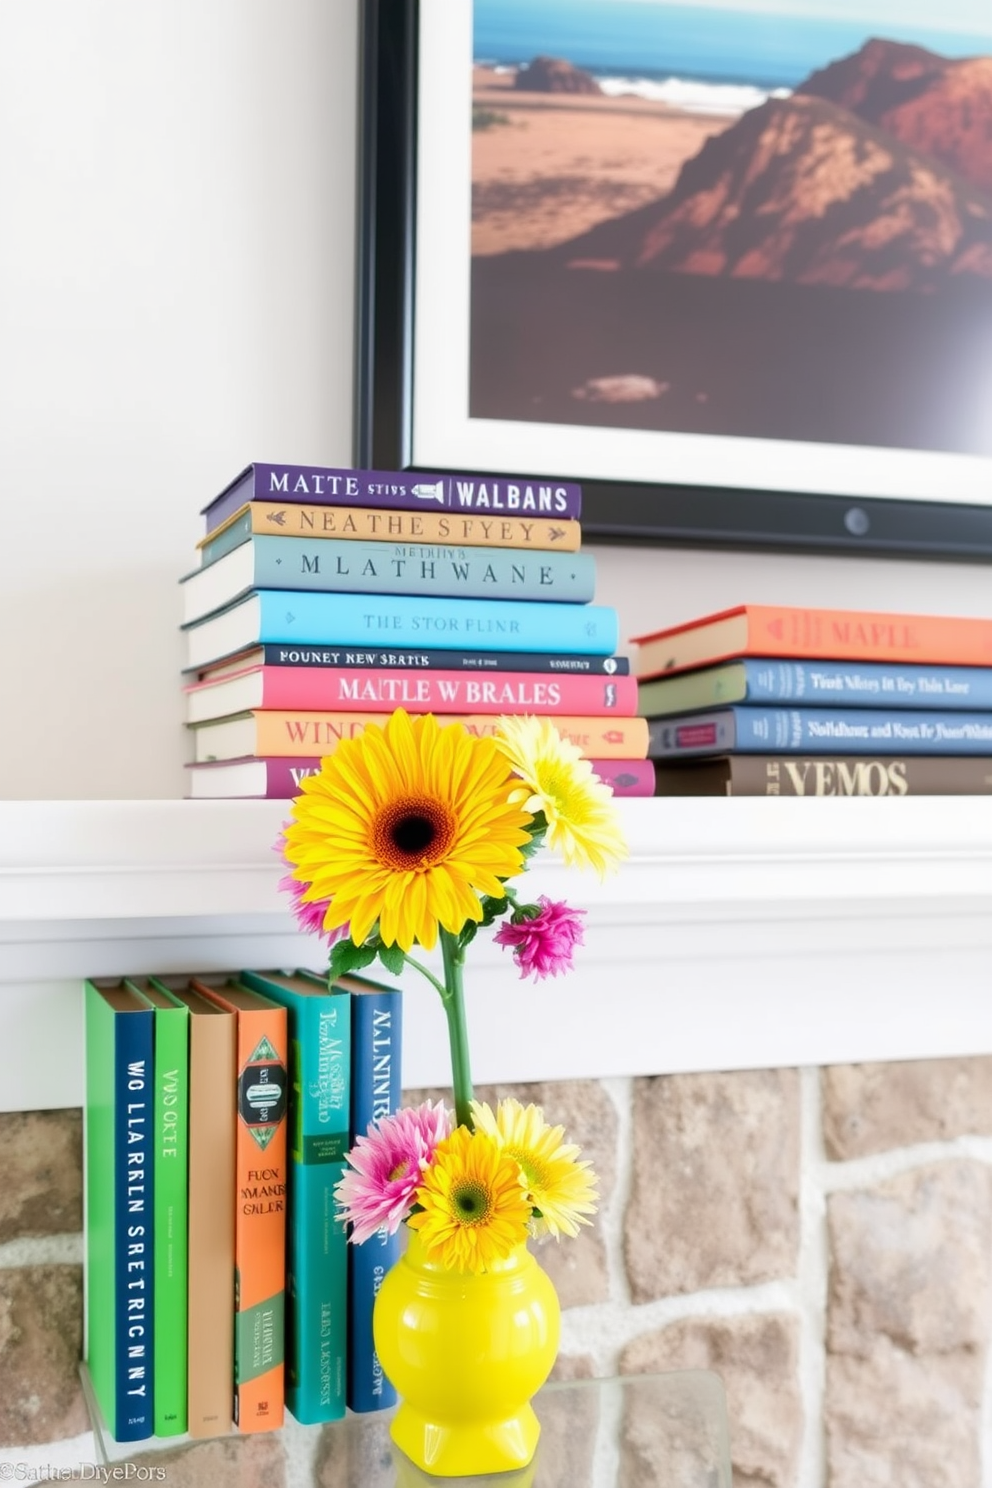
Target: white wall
{"points": [[177, 263], [177, 198]]}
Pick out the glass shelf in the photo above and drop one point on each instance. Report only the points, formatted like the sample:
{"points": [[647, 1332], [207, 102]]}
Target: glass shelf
{"points": [[635, 1431]]}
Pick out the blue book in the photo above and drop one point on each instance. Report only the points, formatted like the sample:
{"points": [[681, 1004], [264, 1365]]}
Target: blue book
{"points": [[376, 1035], [319, 1138], [329, 565], [119, 1147], [817, 684], [294, 617], [757, 730]]}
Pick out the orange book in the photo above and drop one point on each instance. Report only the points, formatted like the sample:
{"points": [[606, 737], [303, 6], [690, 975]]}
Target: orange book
{"points": [[824, 635], [259, 1206], [274, 733]]}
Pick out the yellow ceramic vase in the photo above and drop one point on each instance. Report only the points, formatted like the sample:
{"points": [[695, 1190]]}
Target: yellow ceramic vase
{"points": [[466, 1354]]}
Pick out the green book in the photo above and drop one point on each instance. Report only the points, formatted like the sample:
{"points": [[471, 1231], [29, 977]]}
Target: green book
{"points": [[171, 1168]]}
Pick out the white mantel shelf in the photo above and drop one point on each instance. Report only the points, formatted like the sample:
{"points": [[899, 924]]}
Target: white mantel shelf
{"points": [[741, 933]]}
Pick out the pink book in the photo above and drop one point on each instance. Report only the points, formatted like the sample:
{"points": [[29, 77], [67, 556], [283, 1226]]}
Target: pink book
{"points": [[626, 777], [356, 689]]}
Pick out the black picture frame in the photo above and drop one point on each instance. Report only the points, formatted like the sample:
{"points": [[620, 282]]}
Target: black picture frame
{"points": [[612, 511]]}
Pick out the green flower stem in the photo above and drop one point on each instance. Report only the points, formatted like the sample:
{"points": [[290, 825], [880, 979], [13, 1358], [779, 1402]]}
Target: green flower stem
{"points": [[454, 1008], [438, 986]]}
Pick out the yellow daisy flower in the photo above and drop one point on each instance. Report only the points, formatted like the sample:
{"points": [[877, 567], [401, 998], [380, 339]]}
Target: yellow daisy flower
{"points": [[407, 825], [474, 1210], [561, 1189], [582, 819]]}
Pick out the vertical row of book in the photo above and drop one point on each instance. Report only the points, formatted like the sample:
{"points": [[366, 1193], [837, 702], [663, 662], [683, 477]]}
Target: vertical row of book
{"points": [[219, 1112], [327, 598]]}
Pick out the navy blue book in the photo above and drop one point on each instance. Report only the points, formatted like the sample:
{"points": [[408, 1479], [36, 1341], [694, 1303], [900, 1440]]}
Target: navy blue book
{"points": [[376, 1036], [119, 1156], [817, 684], [383, 658], [756, 730]]}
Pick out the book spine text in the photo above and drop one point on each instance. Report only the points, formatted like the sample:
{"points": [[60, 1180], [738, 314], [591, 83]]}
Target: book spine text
{"points": [[376, 1034], [356, 523], [134, 1251], [398, 490]]}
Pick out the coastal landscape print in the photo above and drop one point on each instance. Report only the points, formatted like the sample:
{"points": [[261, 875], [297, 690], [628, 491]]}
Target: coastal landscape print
{"points": [[759, 218]]}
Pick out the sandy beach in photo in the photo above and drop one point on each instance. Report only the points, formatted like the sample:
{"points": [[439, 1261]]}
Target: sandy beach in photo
{"points": [[561, 163]]}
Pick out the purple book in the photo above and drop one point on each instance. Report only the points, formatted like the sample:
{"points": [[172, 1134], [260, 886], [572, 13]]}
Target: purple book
{"points": [[406, 490], [279, 779]]}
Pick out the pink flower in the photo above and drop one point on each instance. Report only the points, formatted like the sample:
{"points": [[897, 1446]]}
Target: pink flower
{"points": [[309, 916], [543, 943], [387, 1167]]}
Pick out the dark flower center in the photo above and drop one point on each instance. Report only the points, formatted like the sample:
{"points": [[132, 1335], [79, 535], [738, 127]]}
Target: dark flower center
{"points": [[413, 833], [471, 1202]]}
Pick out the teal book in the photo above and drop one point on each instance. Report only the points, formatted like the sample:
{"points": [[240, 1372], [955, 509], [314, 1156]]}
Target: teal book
{"points": [[171, 1176], [118, 1158], [291, 617], [271, 561], [317, 1250]]}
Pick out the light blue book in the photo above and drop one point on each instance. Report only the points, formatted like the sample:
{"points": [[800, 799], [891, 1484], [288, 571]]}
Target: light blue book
{"points": [[817, 684], [317, 1247], [329, 565], [762, 730], [294, 617]]}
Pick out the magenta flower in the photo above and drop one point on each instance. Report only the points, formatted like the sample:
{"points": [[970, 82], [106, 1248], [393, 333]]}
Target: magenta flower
{"points": [[309, 916], [543, 943], [387, 1166]]}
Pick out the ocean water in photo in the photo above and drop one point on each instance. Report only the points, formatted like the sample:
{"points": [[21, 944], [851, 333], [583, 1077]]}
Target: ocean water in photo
{"points": [[638, 39]]}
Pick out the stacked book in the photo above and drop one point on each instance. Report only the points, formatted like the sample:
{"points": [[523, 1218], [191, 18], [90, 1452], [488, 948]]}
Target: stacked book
{"points": [[771, 701], [220, 1289], [325, 599]]}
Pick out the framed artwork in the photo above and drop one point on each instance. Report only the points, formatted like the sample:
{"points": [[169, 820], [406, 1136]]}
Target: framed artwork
{"points": [[727, 263]]}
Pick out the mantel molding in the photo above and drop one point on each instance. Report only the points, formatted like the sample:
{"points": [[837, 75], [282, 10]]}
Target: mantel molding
{"points": [[740, 933], [93, 860]]}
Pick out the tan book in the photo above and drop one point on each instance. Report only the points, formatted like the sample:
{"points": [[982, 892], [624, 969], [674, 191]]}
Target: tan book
{"points": [[469, 529], [260, 1217], [212, 1133], [274, 733]]}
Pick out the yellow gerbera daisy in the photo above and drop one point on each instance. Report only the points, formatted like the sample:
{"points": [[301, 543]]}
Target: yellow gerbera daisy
{"points": [[581, 816], [474, 1210], [406, 825], [561, 1189]]}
